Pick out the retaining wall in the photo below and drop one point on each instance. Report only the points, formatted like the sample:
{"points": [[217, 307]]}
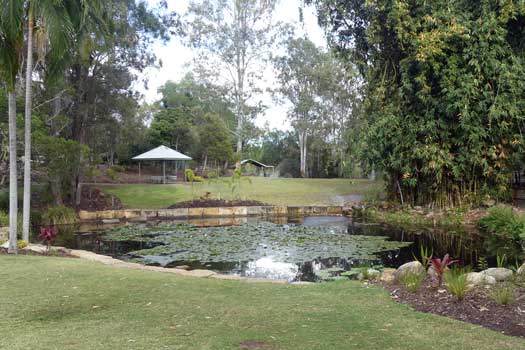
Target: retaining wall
{"points": [[225, 212]]}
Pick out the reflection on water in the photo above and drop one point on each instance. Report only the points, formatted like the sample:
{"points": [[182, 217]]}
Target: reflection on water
{"points": [[464, 244]]}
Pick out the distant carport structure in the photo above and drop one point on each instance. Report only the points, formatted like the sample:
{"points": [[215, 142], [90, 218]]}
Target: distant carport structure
{"points": [[267, 170], [162, 154]]}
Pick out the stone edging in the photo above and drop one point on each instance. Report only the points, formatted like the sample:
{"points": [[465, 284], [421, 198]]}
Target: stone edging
{"points": [[109, 261], [222, 212]]}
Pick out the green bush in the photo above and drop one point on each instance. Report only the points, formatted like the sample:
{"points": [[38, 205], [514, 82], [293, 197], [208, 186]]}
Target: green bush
{"points": [[59, 215], [118, 168], [4, 219], [21, 244], [503, 220], [456, 282], [504, 295], [113, 175], [198, 179], [412, 281]]}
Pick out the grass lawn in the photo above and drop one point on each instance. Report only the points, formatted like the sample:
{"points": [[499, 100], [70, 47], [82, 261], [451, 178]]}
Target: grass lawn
{"points": [[268, 190], [59, 303]]}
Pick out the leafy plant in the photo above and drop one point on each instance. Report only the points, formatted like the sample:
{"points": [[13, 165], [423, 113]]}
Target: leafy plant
{"points": [[501, 260], [503, 295], [234, 182], [21, 244], [190, 177], [482, 263], [59, 215], [456, 279], [4, 218], [503, 220], [439, 266], [48, 235], [412, 281], [118, 168], [113, 175], [425, 255]]}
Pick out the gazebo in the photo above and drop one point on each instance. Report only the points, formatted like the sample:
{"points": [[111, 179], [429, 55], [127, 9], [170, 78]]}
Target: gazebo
{"points": [[162, 154], [265, 168]]}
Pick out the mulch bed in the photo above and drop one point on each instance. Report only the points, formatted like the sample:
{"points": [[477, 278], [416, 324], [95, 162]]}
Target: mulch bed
{"points": [[94, 199], [216, 203], [477, 307]]}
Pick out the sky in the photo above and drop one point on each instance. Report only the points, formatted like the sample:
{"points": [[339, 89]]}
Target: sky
{"points": [[175, 56]]}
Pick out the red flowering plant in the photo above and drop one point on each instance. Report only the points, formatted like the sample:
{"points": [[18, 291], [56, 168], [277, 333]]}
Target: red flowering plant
{"points": [[439, 266], [48, 235]]}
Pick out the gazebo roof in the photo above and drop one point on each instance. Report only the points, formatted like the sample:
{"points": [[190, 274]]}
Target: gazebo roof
{"points": [[162, 153], [256, 163]]}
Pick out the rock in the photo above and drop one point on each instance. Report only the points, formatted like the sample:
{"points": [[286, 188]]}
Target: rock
{"points": [[521, 270], [110, 221], [500, 274], [476, 279], [388, 275], [413, 267], [182, 267], [373, 273]]}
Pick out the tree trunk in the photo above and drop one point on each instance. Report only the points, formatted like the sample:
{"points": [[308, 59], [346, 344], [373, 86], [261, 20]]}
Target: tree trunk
{"points": [[27, 136], [302, 146], [13, 196], [205, 163]]}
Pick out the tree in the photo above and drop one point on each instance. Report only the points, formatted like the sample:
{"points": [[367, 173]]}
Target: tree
{"points": [[444, 93], [54, 28], [234, 38], [215, 140], [11, 43], [300, 75]]}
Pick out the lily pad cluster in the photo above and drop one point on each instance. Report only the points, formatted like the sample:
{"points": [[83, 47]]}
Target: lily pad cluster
{"points": [[248, 242]]}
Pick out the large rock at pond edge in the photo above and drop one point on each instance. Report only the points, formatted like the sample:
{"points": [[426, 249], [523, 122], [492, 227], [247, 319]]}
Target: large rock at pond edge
{"points": [[521, 270], [499, 273], [476, 279], [413, 267]]}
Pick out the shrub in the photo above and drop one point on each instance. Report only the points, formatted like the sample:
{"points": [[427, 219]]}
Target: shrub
{"points": [[48, 235], [21, 244], [439, 266], [503, 220], [4, 219], [503, 295], [118, 168], [456, 280], [412, 281], [365, 213], [59, 215], [113, 175], [92, 172], [198, 179]]}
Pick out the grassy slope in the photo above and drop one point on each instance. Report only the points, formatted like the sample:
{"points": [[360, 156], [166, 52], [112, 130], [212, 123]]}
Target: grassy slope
{"points": [[53, 303], [273, 191]]}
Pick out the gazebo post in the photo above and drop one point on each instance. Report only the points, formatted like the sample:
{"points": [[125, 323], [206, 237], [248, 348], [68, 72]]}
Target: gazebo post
{"points": [[184, 171], [164, 172], [140, 177]]}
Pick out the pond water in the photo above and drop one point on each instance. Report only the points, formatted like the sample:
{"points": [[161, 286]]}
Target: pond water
{"points": [[301, 249]]}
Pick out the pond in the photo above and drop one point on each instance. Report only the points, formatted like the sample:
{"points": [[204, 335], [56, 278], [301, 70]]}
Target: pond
{"points": [[296, 249]]}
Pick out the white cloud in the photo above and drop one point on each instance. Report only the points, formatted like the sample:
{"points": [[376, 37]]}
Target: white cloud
{"points": [[175, 56]]}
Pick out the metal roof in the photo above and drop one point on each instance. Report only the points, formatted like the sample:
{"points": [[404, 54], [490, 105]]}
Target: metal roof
{"points": [[162, 153], [254, 162]]}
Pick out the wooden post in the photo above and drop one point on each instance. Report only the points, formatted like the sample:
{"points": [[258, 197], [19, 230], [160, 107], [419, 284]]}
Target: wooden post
{"points": [[164, 172], [140, 177], [184, 171]]}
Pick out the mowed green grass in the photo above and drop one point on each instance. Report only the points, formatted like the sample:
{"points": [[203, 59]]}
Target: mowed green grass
{"points": [[268, 190], [60, 303]]}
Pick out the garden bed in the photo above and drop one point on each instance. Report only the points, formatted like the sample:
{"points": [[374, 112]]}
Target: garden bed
{"points": [[217, 203], [478, 307]]}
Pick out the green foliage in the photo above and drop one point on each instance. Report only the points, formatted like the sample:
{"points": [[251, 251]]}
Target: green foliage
{"points": [[198, 179], [21, 244], [425, 255], [369, 213], [118, 168], [113, 175], [503, 220], [4, 218], [412, 281], [235, 181], [373, 195], [501, 260], [443, 93], [59, 215], [456, 282], [482, 263], [92, 172], [504, 294]]}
